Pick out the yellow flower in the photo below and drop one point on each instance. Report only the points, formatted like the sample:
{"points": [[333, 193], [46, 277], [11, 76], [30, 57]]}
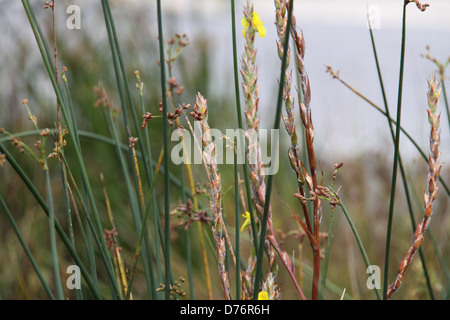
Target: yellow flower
{"points": [[257, 24], [247, 220], [263, 295]]}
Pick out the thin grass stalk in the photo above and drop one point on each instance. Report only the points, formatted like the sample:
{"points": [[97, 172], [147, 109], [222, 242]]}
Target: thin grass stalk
{"points": [[51, 215], [187, 241], [66, 192], [400, 162], [357, 238], [236, 221], [326, 259], [68, 178], [115, 59], [441, 258], [141, 197], [147, 166], [329, 240], [121, 270], [59, 229], [108, 262], [445, 98], [54, 250], [171, 96], [145, 157], [119, 70], [143, 229], [166, 156], [396, 155], [289, 267], [331, 286], [157, 240], [72, 117], [26, 249], [55, 59], [88, 235], [67, 198], [264, 221]]}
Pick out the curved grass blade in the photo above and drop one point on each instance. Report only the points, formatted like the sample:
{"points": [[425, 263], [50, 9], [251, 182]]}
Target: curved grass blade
{"points": [[26, 249], [59, 229]]}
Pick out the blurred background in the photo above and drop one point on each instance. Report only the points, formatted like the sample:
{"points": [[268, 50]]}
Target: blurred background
{"points": [[347, 129]]}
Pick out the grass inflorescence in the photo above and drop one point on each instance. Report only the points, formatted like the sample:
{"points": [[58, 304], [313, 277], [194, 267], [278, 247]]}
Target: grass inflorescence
{"points": [[138, 224]]}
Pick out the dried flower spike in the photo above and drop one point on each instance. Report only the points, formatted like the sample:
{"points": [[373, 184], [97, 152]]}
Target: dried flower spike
{"points": [[433, 176]]}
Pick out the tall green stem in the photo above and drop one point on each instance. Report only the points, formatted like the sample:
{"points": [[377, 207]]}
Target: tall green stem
{"points": [[400, 162], [396, 155], [258, 274], [166, 156]]}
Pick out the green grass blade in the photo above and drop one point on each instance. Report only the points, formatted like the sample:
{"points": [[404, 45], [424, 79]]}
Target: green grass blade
{"points": [[26, 249], [400, 162], [258, 274], [444, 93], [187, 241], [327, 255], [84, 176], [396, 155], [54, 250], [59, 229], [359, 241], [166, 155], [236, 223], [142, 233]]}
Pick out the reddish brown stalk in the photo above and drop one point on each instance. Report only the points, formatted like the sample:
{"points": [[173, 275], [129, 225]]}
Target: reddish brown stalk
{"points": [[304, 94], [302, 224], [287, 263], [55, 55]]}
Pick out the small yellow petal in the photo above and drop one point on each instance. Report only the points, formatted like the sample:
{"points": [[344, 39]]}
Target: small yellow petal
{"points": [[244, 22], [247, 220], [263, 295], [256, 19], [261, 30]]}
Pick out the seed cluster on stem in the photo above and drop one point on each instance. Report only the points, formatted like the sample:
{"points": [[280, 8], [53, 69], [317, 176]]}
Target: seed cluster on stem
{"points": [[433, 176]]}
